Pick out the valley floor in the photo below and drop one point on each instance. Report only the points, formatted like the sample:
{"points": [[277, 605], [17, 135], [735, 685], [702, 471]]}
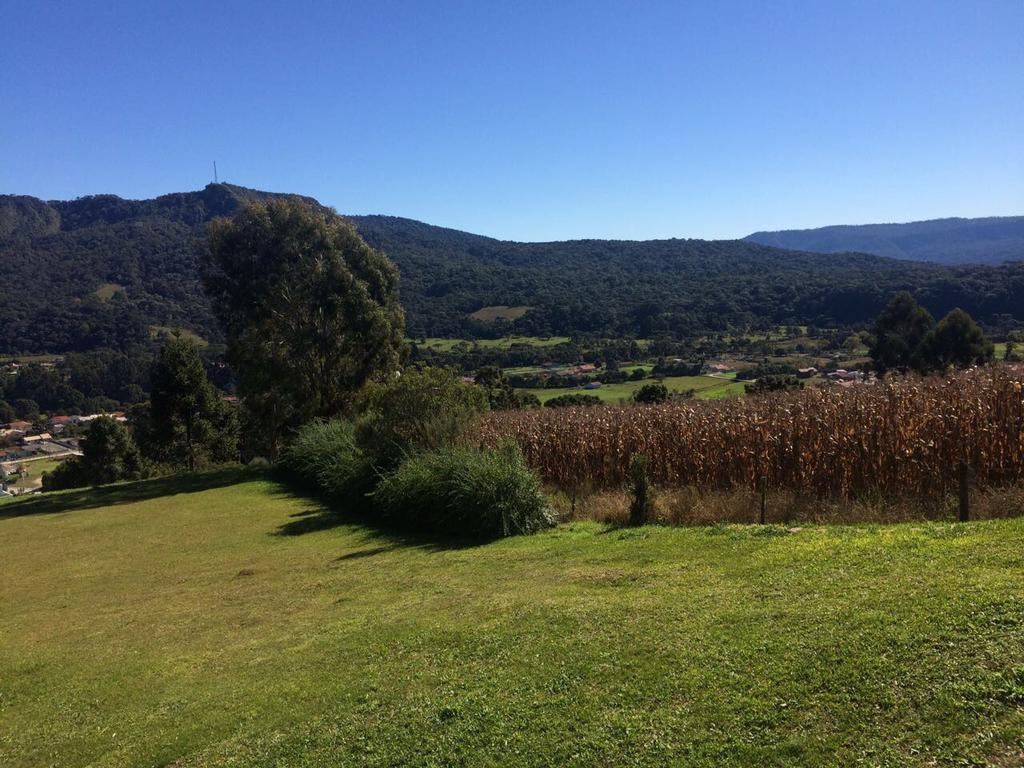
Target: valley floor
{"points": [[220, 620]]}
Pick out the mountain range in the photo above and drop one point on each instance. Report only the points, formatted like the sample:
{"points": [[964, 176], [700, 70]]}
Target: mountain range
{"points": [[991, 240], [101, 271]]}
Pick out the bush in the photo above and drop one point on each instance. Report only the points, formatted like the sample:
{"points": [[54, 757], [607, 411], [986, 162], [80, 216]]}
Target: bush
{"points": [[68, 474], [641, 507], [423, 409], [651, 393], [464, 491], [571, 401], [764, 370], [324, 457], [108, 455], [773, 384]]}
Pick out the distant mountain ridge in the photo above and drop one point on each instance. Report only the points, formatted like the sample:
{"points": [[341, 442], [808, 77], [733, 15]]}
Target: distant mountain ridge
{"points": [[990, 240], [101, 271]]}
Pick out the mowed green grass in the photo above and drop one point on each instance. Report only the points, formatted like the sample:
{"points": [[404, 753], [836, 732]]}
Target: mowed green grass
{"points": [[706, 388], [232, 626]]}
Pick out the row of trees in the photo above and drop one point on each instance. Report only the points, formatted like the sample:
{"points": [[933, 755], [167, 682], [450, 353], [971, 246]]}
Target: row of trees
{"points": [[83, 382], [907, 338], [185, 425]]}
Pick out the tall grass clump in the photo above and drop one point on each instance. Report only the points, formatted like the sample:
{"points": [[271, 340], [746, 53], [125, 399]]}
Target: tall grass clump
{"points": [[464, 491], [325, 457]]}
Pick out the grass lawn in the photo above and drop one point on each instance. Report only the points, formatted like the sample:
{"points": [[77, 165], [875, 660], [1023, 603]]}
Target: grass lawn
{"points": [[236, 625], [707, 388], [34, 471]]}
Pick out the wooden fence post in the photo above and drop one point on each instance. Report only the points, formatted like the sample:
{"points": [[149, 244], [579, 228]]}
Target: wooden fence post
{"points": [[965, 493]]}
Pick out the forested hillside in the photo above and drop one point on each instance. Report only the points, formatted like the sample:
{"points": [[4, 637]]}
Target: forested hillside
{"points": [[990, 240], [613, 287], [102, 272]]}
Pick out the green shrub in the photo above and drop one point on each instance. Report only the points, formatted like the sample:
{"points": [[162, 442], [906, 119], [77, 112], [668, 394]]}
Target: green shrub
{"points": [[651, 393], [572, 400], [324, 456], [641, 507], [109, 455], [774, 384], [423, 409], [464, 491]]}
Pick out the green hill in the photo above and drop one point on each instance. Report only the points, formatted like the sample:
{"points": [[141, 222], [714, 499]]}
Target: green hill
{"points": [[219, 620], [990, 240], [59, 258]]}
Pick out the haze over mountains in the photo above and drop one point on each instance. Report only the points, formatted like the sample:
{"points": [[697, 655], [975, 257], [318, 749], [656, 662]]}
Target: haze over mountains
{"points": [[991, 240], [103, 272]]}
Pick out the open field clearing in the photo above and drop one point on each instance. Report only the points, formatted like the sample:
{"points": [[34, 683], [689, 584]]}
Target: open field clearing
{"points": [[906, 436], [490, 314], [107, 291], [34, 471], [29, 359], [447, 345], [155, 331], [236, 625], [705, 387]]}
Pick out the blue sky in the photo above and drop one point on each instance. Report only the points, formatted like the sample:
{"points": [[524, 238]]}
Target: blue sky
{"points": [[529, 120]]}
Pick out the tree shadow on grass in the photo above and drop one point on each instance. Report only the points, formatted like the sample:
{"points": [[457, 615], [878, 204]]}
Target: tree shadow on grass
{"points": [[123, 493], [324, 514]]}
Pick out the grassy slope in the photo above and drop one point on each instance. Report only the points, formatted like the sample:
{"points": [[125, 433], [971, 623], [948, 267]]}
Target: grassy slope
{"points": [[707, 388], [144, 631], [447, 345]]}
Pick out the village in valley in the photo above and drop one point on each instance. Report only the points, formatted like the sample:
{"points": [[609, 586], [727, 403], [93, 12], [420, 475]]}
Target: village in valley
{"points": [[30, 449], [711, 367]]}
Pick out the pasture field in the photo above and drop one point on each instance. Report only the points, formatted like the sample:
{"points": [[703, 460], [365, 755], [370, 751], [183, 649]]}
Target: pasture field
{"points": [[490, 314], [706, 387], [447, 345], [218, 620]]}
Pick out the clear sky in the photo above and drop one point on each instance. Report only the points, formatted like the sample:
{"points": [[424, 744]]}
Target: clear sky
{"points": [[529, 120]]}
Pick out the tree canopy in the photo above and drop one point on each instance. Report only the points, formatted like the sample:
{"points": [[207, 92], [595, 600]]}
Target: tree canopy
{"points": [[187, 423], [108, 455], [105, 272], [906, 337], [310, 312], [898, 333], [956, 341]]}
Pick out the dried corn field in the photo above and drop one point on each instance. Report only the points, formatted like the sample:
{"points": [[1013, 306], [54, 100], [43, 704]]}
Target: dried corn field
{"points": [[905, 436]]}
